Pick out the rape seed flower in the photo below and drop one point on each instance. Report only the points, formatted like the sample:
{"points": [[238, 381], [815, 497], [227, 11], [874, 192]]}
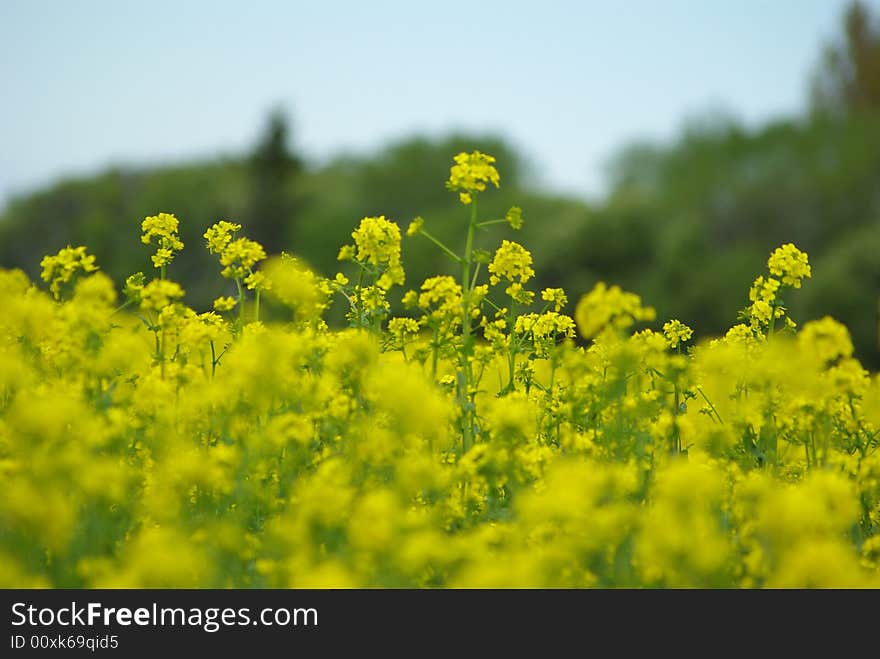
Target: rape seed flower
{"points": [[414, 227], [220, 235], [556, 296], [225, 303], [239, 256], [514, 218], [676, 333], [297, 287], [134, 284], [61, 268], [827, 339], [346, 253], [512, 262], [257, 281], [763, 297], [401, 329], [545, 325], [470, 173], [440, 295], [789, 263], [163, 228], [159, 293], [373, 299], [378, 243], [609, 308], [410, 299]]}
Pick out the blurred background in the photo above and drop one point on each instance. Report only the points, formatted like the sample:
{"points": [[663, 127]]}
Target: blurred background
{"points": [[667, 147]]}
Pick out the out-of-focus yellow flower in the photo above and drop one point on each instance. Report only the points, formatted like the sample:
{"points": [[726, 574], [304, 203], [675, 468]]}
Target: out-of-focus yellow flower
{"points": [[609, 308], [60, 269], [676, 333]]}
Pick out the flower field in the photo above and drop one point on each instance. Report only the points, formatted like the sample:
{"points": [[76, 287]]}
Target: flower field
{"points": [[491, 435]]}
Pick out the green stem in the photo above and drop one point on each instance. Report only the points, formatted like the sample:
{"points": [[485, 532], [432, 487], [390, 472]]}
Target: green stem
{"points": [[552, 366], [711, 406], [772, 324], [240, 302], [435, 351], [474, 278], [512, 348], [455, 257], [257, 305], [360, 304], [676, 437], [467, 340], [491, 304], [487, 223], [121, 306]]}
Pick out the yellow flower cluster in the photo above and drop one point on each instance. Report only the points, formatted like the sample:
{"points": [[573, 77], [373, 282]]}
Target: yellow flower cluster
{"points": [[544, 325], [238, 259], [466, 446], [470, 174], [219, 235], [512, 262], [762, 295], [415, 226], [514, 217], [297, 287], [609, 308], [827, 339], [238, 256], [60, 269], [163, 229], [441, 298], [378, 243], [676, 333], [555, 296], [159, 293], [225, 303], [790, 264]]}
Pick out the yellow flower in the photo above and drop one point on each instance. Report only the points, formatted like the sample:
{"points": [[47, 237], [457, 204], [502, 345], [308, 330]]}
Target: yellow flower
{"points": [[219, 235], [239, 256], [556, 296], [676, 333], [163, 229], [512, 262], [414, 227], [378, 244], [225, 303], [826, 339], [346, 253], [257, 281], [61, 268], [470, 174], [609, 308], [159, 293], [514, 217], [791, 264]]}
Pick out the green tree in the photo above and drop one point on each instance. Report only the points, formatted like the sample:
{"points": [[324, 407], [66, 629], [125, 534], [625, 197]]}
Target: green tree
{"points": [[274, 170], [848, 77]]}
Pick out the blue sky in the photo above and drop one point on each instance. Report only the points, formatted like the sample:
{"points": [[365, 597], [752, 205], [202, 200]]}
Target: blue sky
{"points": [[92, 83]]}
